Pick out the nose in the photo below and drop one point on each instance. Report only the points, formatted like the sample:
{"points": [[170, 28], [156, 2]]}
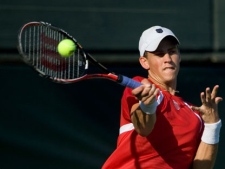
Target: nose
{"points": [[167, 57]]}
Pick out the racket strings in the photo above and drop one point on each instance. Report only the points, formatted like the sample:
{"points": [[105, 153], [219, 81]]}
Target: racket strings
{"points": [[39, 45]]}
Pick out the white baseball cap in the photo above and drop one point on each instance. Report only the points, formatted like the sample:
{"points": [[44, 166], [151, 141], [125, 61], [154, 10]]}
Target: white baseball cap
{"points": [[150, 38]]}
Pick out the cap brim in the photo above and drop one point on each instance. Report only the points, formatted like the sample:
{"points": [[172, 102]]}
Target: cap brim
{"points": [[154, 45]]}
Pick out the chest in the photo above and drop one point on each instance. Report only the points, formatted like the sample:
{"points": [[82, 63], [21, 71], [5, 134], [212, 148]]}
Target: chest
{"points": [[176, 116]]}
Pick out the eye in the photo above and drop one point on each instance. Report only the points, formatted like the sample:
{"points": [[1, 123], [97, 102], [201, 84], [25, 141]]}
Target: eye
{"points": [[160, 54], [171, 52]]}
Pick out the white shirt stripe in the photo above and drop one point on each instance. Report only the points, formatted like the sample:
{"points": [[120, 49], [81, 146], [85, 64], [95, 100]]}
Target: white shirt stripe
{"points": [[126, 127], [130, 126]]}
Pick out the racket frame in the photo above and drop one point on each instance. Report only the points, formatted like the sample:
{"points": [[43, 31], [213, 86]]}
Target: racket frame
{"points": [[123, 80]]}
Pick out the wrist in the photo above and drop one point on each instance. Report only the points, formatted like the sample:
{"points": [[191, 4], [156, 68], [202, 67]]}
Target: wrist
{"points": [[211, 133], [148, 109]]}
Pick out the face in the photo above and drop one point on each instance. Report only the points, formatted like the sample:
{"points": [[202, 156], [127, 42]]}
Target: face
{"points": [[164, 63]]}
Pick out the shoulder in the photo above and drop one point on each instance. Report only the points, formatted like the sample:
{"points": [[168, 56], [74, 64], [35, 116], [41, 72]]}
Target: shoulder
{"points": [[138, 78]]}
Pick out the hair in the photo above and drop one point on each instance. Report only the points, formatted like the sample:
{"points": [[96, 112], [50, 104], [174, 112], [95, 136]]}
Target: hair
{"points": [[145, 54], [172, 39]]}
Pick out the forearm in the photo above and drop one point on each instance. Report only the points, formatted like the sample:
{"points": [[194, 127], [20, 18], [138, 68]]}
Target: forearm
{"points": [[205, 156], [143, 123], [207, 150]]}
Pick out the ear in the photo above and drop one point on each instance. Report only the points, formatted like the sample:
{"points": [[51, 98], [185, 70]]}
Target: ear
{"points": [[179, 57], [144, 62], [179, 54]]}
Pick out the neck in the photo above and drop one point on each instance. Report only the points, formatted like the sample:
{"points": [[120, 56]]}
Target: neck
{"points": [[170, 86]]}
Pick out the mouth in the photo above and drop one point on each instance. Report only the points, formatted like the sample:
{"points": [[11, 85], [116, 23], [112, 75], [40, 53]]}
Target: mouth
{"points": [[169, 68]]}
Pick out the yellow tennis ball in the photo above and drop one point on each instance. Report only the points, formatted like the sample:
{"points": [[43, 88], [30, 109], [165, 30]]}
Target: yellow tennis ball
{"points": [[66, 47]]}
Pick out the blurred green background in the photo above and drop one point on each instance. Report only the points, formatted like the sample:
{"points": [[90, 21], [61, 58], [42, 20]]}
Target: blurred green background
{"points": [[44, 125]]}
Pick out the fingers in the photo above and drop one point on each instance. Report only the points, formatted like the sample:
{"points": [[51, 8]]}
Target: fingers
{"points": [[145, 86], [202, 97], [214, 92], [218, 99], [146, 93], [145, 82], [209, 100], [195, 108], [209, 96]]}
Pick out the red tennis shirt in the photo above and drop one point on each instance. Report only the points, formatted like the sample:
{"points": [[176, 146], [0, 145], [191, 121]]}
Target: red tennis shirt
{"points": [[172, 144]]}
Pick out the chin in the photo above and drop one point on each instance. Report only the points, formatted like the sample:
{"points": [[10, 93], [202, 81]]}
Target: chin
{"points": [[170, 80]]}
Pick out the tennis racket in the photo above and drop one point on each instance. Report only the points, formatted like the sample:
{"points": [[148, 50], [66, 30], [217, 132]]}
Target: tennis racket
{"points": [[37, 44]]}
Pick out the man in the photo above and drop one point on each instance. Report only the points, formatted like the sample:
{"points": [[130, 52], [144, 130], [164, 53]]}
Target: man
{"points": [[158, 129]]}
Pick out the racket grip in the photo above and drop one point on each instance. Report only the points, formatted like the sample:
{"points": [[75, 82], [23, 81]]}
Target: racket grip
{"points": [[126, 81]]}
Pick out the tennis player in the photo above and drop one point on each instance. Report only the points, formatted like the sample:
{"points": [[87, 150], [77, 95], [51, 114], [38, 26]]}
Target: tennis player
{"points": [[158, 129]]}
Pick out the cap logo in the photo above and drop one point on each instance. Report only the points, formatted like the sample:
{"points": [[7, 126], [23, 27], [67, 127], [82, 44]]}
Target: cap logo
{"points": [[159, 30]]}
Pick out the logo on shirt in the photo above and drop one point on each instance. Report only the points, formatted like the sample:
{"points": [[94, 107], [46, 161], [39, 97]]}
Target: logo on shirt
{"points": [[176, 105]]}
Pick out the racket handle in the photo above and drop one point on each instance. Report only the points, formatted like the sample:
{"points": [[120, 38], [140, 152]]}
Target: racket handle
{"points": [[126, 81]]}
